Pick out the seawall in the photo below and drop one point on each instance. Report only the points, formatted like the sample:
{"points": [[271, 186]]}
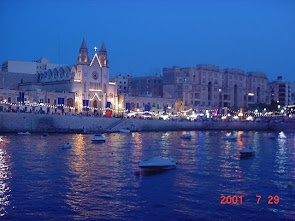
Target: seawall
{"points": [[15, 122]]}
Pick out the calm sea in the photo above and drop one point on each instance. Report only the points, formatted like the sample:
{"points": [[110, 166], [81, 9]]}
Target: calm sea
{"points": [[41, 181]]}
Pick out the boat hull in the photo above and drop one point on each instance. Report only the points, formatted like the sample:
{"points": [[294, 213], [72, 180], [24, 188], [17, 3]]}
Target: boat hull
{"points": [[246, 155], [157, 168], [98, 141]]}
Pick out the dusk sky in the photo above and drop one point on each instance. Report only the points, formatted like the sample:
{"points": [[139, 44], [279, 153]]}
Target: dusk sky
{"points": [[142, 37]]}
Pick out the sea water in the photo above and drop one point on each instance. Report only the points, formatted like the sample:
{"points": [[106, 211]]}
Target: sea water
{"points": [[39, 180]]}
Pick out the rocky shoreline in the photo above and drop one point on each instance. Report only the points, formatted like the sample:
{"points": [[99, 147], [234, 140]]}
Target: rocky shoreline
{"points": [[38, 123]]}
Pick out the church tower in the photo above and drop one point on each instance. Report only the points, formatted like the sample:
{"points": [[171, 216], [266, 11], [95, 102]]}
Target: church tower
{"points": [[83, 54], [103, 56]]}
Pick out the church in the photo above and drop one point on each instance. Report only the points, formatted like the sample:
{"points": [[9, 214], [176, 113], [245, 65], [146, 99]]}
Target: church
{"points": [[81, 87]]}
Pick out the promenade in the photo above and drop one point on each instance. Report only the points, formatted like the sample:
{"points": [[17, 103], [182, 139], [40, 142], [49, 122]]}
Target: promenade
{"points": [[37, 123]]}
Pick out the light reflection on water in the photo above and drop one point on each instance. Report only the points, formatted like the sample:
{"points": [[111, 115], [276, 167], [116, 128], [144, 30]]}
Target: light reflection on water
{"points": [[39, 180], [4, 176]]}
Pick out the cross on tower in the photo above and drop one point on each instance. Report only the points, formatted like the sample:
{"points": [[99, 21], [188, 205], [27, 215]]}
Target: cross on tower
{"points": [[95, 48]]}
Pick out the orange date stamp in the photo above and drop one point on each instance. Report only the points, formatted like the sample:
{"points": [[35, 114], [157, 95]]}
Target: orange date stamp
{"points": [[239, 199]]}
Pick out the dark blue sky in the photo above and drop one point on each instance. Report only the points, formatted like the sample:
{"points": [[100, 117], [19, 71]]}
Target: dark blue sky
{"points": [[142, 37]]}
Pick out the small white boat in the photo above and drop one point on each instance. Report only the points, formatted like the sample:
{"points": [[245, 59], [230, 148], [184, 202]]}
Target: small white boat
{"points": [[24, 133], [186, 136], [233, 137], [245, 134], [98, 138], [246, 152], [157, 163], [1, 139], [282, 135], [66, 146], [126, 131]]}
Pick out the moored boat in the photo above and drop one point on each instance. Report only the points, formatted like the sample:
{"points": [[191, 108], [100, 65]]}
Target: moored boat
{"points": [[24, 133], [98, 138], [66, 146], [245, 134], [157, 163], [126, 131], [186, 136], [233, 137], [246, 152]]}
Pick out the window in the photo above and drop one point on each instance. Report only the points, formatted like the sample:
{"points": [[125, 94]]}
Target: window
{"points": [[54, 102], [48, 101], [41, 100], [9, 100], [1, 98], [17, 99]]}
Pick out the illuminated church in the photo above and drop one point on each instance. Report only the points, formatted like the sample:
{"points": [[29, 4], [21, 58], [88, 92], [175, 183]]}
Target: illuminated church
{"points": [[83, 87]]}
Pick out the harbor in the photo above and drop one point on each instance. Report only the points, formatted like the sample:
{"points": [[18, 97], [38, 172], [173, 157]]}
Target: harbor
{"points": [[97, 181]]}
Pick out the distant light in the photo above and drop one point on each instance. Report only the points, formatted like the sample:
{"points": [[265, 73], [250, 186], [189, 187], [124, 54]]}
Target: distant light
{"points": [[165, 117], [240, 114], [250, 118], [219, 90], [94, 90], [223, 117], [235, 117], [251, 94]]}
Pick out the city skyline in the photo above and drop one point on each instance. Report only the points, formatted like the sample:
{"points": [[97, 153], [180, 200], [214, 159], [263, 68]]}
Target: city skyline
{"points": [[142, 38]]}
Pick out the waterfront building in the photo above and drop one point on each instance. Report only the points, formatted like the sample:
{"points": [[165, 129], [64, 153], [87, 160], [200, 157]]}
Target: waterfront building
{"points": [[145, 86], [28, 67], [156, 105], [293, 93], [35, 101], [122, 83], [280, 91], [209, 87], [88, 80], [257, 89]]}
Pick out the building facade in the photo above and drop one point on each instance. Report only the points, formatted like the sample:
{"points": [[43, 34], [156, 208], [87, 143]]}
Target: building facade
{"points": [[28, 67], [154, 104], [280, 91], [36, 101], [207, 87], [122, 83], [145, 86]]}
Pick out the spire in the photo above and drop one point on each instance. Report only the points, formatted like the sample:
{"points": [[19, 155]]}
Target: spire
{"points": [[83, 54], [103, 57], [83, 45], [103, 47]]}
